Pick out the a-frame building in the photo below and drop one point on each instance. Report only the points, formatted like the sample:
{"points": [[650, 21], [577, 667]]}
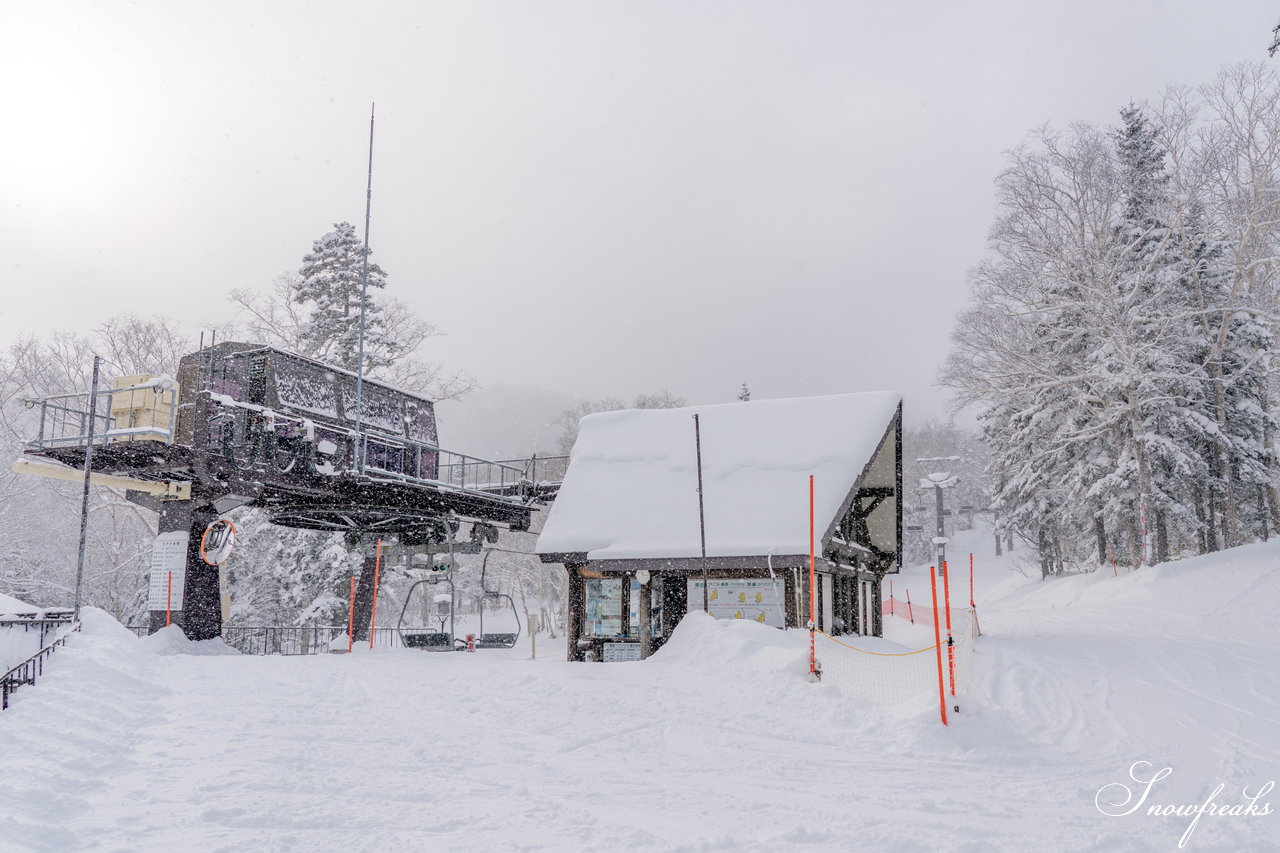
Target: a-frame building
{"points": [[636, 545]]}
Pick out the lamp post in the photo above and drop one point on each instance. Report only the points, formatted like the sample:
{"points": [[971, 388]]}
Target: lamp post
{"points": [[88, 473], [364, 298], [938, 480]]}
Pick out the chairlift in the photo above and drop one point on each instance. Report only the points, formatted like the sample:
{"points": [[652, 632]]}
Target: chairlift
{"points": [[495, 640], [442, 604]]}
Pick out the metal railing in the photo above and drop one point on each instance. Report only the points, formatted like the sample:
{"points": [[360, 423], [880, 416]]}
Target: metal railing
{"points": [[525, 479], [296, 639], [246, 433], [45, 622], [121, 415], [299, 640], [30, 669], [413, 462], [250, 436], [253, 438]]}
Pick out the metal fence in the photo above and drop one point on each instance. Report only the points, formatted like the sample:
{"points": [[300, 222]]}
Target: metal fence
{"points": [[30, 669], [298, 640]]}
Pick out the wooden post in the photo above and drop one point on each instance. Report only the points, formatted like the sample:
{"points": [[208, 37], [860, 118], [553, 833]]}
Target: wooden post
{"points": [[937, 645], [574, 618], [791, 608], [646, 619]]}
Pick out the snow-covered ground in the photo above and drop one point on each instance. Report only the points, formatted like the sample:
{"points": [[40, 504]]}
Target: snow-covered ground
{"points": [[717, 743]]}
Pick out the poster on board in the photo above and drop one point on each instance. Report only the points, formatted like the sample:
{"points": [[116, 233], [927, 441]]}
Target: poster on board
{"points": [[757, 599]]}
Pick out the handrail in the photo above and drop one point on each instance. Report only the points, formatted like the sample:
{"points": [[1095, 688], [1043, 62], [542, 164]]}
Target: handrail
{"points": [[30, 669], [64, 422]]}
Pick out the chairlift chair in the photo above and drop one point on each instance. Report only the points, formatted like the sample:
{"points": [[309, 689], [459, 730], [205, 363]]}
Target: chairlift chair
{"points": [[428, 639], [495, 640]]}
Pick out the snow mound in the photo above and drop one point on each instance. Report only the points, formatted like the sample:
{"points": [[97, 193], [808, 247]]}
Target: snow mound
{"points": [[702, 642], [10, 605], [171, 641]]}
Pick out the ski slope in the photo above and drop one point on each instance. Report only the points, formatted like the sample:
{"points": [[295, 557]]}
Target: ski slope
{"points": [[719, 742]]}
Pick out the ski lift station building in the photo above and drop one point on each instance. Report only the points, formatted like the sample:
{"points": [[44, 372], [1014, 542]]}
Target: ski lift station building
{"points": [[629, 531]]}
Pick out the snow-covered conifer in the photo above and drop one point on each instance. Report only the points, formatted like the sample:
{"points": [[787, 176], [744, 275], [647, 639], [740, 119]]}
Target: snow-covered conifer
{"points": [[330, 283]]}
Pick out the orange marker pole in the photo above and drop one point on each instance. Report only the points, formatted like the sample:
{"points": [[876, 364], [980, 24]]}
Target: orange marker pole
{"points": [[168, 601], [813, 586], [373, 620], [351, 614], [973, 608], [1113, 562], [910, 614], [937, 645], [951, 646]]}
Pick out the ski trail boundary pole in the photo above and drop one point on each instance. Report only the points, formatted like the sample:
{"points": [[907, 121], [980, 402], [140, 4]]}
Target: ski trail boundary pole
{"points": [[951, 644], [973, 608], [937, 645]]}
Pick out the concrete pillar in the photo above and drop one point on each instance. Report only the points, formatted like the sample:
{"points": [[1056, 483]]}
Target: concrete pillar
{"points": [[200, 616], [367, 546]]}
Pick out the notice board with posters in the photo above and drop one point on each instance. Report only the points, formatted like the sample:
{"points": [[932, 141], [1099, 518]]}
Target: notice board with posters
{"points": [[757, 599]]}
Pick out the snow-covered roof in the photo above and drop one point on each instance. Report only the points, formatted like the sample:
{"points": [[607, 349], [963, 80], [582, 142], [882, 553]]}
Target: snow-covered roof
{"points": [[631, 488]]}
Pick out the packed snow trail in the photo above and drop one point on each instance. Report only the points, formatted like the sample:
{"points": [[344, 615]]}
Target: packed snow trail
{"points": [[717, 743]]}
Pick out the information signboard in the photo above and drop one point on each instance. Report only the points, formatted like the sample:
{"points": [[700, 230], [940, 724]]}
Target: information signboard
{"points": [[168, 554], [621, 651], [757, 599]]}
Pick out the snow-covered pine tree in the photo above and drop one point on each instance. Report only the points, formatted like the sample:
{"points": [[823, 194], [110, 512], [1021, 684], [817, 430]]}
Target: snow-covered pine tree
{"points": [[1120, 343], [1230, 348], [330, 284], [1147, 363], [744, 393]]}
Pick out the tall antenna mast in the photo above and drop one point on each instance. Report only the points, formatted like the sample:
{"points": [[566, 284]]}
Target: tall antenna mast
{"points": [[364, 296]]}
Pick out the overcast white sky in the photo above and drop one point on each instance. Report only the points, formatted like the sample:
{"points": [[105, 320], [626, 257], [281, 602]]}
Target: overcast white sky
{"points": [[591, 198]]}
